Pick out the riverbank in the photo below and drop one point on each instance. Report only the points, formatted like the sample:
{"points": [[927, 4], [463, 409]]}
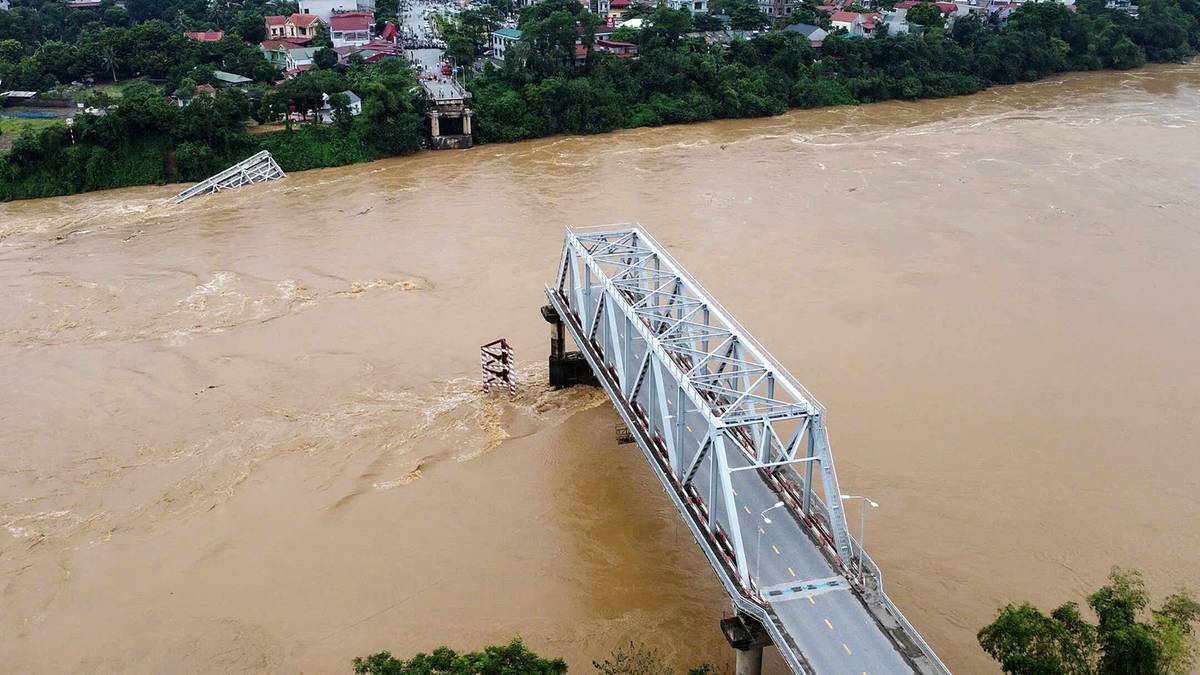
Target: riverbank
{"points": [[675, 79]]}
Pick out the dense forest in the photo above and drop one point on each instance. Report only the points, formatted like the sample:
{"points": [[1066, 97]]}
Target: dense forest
{"points": [[539, 90]]}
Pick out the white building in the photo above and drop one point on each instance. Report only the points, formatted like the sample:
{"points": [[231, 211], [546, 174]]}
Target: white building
{"points": [[327, 8], [694, 6], [501, 40]]}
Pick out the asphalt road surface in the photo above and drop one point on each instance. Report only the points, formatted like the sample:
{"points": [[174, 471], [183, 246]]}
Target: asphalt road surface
{"points": [[832, 627]]}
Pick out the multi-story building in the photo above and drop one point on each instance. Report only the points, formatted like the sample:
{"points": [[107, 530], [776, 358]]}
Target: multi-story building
{"points": [[350, 29], [693, 6], [327, 8], [300, 28]]}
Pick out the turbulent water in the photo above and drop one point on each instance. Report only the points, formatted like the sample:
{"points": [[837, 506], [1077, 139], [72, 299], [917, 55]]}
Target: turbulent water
{"points": [[243, 433]]}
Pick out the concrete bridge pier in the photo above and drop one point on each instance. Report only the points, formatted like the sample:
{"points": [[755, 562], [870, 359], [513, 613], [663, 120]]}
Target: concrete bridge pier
{"points": [[747, 637], [567, 369]]}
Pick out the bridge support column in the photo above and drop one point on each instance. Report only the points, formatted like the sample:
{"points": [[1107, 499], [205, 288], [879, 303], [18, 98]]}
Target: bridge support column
{"points": [[747, 637], [749, 661], [567, 369]]}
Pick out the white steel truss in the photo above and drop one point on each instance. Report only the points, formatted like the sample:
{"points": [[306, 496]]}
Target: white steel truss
{"points": [[712, 398], [258, 167]]}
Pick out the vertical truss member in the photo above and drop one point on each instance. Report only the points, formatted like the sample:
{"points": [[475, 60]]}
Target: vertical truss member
{"points": [[496, 360]]}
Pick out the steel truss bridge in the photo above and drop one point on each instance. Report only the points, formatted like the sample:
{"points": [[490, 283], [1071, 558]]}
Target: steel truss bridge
{"points": [[741, 447]]}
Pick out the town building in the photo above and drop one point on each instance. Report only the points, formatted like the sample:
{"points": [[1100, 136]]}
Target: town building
{"points": [[227, 80], [327, 8], [278, 52], [621, 49], [612, 10], [201, 90], [776, 9], [896, 23], [351, 29], [299, 60], [815, 34], [501, 39], [205, 36], [298, 27], [84, 4], [856, 24], [694, 6]]}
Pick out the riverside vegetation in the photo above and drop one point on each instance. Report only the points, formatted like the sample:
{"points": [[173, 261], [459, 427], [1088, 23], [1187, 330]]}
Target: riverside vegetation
{"points": [[1026, 641], [539, 90]]}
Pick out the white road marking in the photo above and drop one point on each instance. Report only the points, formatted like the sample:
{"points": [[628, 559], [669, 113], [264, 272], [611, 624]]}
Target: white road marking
{"points": [[828, 624], [847, 649]]}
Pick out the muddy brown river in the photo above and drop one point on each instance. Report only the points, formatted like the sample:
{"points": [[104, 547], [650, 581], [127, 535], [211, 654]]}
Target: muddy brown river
{"points": [[243, 434]]}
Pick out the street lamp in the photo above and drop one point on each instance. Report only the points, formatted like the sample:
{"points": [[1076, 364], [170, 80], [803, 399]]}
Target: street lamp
{"points": [[862, 527], [758, 542]]}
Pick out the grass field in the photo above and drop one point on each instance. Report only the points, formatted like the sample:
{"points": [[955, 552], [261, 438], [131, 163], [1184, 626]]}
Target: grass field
{"points": [[11, 126], [116, 89]]}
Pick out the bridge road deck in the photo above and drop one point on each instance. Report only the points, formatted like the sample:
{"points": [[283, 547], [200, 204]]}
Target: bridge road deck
{"points": [[721, 421]]}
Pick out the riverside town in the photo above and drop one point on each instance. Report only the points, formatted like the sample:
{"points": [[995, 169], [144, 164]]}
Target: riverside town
{"points": [[100, 94]]}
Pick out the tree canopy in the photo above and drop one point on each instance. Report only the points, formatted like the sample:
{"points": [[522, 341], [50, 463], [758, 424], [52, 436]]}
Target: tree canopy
{"points": [[1026, 641], [513, 658]]}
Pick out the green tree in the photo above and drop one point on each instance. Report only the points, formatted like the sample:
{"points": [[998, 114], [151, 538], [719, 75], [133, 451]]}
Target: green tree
{"points": [[109, 59], [1026, 641], [339, 104], [325, 58], [743, 14], [511, 659], [924, 14], [1125, 55], [10, 51]]}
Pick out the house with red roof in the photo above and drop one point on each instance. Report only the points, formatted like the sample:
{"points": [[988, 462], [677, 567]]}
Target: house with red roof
{"points": [[622, 50], [856, 23], [278, 52], [351, 29], [297, 27], [612, 10], [205, 35]]}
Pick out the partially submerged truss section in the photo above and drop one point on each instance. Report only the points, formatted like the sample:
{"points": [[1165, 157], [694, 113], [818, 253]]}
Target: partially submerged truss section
{"points": [[255, 169]]}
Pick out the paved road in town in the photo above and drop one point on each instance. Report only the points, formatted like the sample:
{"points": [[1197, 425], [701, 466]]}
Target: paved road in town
{"points": [[414, 19]]}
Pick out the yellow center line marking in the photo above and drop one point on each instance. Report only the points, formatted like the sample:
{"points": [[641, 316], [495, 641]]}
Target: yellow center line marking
{"points": [[791, 571], [847, 649], [746, 507], [828, 624], [811, 600], [775, 549]]}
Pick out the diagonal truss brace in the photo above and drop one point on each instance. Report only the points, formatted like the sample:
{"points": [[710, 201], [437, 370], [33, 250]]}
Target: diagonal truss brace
{"points": [[712, 396]]}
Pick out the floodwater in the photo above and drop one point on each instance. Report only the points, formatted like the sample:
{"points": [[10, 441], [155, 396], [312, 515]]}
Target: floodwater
{"points": [[243, 434]]}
